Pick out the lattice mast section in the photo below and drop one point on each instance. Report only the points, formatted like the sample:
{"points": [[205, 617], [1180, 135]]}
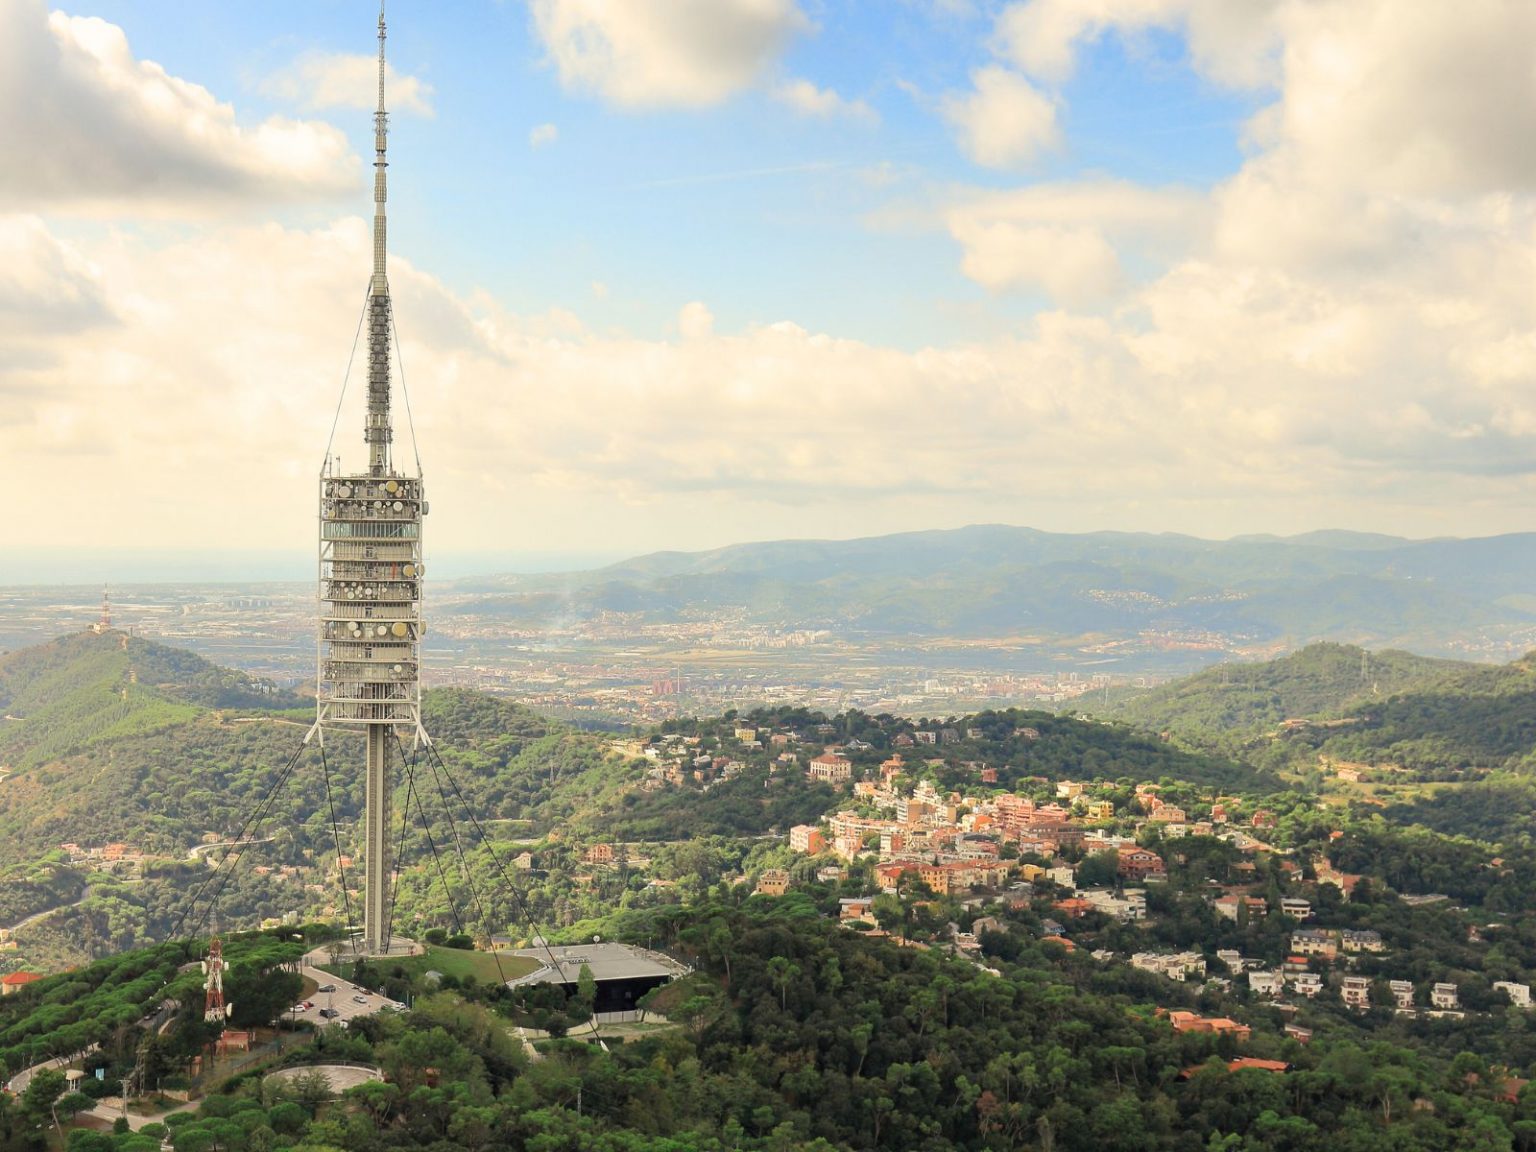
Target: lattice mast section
{"points": [[215, 1010], [371, 579]]}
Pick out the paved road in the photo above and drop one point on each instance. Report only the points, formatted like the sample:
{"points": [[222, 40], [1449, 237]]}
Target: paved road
{"points": [[18, 1083], [36, 916], [112, 1112]]}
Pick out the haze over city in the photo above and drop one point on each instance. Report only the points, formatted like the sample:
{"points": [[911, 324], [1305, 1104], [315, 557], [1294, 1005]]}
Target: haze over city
{"points": [[672, 275]]}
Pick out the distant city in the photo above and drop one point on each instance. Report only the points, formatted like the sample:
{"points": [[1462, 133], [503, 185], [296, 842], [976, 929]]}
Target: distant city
{"points": [[616, 669]]}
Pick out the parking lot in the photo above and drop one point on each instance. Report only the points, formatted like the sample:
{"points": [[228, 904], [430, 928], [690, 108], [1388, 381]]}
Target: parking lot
{"points": [[343, 1002]]}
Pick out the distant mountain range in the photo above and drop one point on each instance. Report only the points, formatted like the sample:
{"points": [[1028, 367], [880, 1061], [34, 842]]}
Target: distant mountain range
{"points": [[1468, 597]]}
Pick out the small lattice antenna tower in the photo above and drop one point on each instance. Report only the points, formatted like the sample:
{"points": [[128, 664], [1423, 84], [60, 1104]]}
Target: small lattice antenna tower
{"points": [[104, 621], [215, 1010]]}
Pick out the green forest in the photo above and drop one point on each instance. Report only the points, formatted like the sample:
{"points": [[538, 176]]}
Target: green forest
{"points": [[792, 1033]]}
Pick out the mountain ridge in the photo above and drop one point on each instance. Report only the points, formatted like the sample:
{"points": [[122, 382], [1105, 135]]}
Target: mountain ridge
{"points": [[1438, 596]]}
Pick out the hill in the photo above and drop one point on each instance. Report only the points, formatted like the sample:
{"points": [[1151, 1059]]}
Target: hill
{"points": [[173, 796], [90, 688], [1322, 681], [1434, 596], [1438, 719]]}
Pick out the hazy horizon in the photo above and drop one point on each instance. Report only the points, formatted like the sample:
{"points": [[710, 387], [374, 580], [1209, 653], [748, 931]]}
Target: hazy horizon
{"points": [[87, 567]]}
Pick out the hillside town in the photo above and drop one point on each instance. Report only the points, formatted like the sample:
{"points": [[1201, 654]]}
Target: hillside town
{"points": [[1091, 865]]}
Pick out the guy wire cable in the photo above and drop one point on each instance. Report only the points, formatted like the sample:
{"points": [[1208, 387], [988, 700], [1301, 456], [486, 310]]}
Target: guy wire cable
{"points": [[346, 897], [517, 896], [464, 865], [399, 856], [282, 778]]}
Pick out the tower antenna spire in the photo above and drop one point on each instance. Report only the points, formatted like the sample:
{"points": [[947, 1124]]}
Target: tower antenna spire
{"points": [[377, 431]]}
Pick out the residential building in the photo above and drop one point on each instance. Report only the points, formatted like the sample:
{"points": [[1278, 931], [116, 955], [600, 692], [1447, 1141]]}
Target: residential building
{"points": [[1519, 994], [1221, 1025], [1361, 940], [1178, 966], [1228, 906], [1266, 983], [1402, 994], [856, 908], [1313, 942], [831, 767], [1357, 991], [16, 981], [1127, 907], [773, 882], [807, 838], [1139, 864], [1296, 908], [1445, 997], [1307, 984]]}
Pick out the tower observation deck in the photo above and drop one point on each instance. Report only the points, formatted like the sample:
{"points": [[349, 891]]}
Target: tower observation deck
{"points": [[370, 581]]}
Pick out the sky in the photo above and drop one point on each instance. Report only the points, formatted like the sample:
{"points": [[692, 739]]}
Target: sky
{"points": [[673, 274]]}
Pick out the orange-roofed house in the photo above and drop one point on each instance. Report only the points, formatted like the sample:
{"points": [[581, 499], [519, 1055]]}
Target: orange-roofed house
{"points": [[1074, 907], [16, 981], [1220, 1025]]}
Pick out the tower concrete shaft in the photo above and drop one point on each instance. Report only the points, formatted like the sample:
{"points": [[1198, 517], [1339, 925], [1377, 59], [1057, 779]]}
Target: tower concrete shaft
{"points": [[370, 584]]}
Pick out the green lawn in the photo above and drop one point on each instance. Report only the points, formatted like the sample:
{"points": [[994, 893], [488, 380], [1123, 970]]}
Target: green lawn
{"points": [[458, 963]]}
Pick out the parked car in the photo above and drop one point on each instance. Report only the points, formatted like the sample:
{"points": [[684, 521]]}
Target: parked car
{"points": [[329, 1013], [359, 999], [300, 1007], [326, 988]]}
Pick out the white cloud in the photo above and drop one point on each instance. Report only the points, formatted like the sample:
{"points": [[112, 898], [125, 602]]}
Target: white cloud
{"points": [[101, 130], [1076, 266], [542, 134], [1408, 99], [664, 53], [1224, 397], [1004, 122], [809, 100], [1066, 237], [46, 286], [319, 80], [1422, 99], [695, 321], [1233, 43]]}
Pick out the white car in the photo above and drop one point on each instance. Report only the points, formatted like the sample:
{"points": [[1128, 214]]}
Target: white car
{"points": [[301, 1008]]}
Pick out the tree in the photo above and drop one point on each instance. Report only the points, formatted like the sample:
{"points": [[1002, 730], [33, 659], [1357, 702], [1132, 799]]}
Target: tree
{"points": [[783, 973], [42, 1093], [586, 993]]}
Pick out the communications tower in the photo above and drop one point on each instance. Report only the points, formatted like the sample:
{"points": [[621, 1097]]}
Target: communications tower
{"points": [[370, 622], [215, 1010]]}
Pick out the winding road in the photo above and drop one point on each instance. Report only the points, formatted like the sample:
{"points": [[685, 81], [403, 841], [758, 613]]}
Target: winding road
{"points": [[85, 895]]}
